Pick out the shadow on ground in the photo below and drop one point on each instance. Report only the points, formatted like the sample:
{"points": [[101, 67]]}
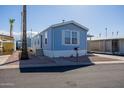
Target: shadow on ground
{"points": [[38, 62], [50, 69]]}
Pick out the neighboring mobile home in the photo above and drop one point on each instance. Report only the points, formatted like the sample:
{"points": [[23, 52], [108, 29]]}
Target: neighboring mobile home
{"points": [[109, 46], [6, 44], [59, 40]]}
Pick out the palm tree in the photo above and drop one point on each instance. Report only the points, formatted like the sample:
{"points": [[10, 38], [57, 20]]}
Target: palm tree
{"points": [[24, 53], [11, 22]]}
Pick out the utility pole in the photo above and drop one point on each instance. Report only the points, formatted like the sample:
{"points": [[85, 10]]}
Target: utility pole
{"points": [[21, 26], [99, 35], [106, 38], [31, 32], [117, 33], [106, 32], [112, 34], [31, 37], [24, 53]]}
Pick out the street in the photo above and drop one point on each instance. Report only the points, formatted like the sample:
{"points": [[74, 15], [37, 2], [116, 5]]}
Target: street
{"points": [[100, 76]]}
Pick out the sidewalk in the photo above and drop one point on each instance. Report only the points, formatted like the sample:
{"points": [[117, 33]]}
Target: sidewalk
{"points": [[12, 61]]}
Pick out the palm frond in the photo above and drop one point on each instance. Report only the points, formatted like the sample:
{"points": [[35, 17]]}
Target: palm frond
{"points": [[11, 20]]}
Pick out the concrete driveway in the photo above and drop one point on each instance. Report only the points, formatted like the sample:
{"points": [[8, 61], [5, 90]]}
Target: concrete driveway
{"points": [[3, 58]]}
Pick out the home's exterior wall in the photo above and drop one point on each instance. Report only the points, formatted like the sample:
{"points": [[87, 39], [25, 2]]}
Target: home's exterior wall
{"points": [[100, 46], [36, 42], [37, 39], [7, 45], [49, 35], [108, 46], [55, 47], [59, 49], [63, 53], [121, 46], [105, 46], [57, 37], [94, 45]]}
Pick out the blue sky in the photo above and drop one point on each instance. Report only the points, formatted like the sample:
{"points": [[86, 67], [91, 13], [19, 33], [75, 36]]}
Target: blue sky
{"points": [[96, 18]]}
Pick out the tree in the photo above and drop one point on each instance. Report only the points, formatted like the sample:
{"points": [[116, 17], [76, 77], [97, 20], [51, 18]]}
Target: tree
{"points": [[11, 22], [24, 53]]}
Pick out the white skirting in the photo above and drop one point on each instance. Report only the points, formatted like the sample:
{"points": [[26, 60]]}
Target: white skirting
{"points": [[63, 53]]}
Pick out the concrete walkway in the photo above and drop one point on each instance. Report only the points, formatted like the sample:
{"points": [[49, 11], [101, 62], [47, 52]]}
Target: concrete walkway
{"points": [[111, 56], [3, 58]]}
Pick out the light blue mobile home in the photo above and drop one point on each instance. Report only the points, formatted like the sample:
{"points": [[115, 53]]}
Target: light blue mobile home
{"points": [[59, 40]]}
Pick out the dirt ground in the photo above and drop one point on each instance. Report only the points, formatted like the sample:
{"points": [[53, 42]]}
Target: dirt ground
{"points": [[14, 59]]}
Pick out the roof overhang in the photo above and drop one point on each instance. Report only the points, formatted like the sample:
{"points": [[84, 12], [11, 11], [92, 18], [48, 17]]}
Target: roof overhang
{"points": [[70, 22], [64, 23]]}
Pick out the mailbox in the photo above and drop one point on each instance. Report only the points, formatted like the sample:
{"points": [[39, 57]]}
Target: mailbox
{"points": [[76, 48]]}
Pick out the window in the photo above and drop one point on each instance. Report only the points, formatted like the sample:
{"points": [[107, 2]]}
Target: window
{"points": [[67, 37], [38, 42], [71, 37], [35, 42], [74, 38], [46, 38]]}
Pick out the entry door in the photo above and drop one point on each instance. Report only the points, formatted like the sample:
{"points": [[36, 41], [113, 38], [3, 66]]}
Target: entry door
{"points": [[115, 46]]}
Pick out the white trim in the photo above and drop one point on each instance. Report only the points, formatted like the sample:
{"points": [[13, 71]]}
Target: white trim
{"points": [[7, 41], [63, 53], [63, 37]]}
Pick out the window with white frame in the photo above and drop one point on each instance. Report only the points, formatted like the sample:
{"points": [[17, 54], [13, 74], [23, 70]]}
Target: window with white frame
{"points": [[38, 41], [74, 38], [67, 37], [35, 43], [46, 38], [71, 37]]}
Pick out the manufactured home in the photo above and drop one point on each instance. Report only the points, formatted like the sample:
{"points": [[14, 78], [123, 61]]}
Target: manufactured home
{"points": [[61, 40], [109, 46], [6, 44]]}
